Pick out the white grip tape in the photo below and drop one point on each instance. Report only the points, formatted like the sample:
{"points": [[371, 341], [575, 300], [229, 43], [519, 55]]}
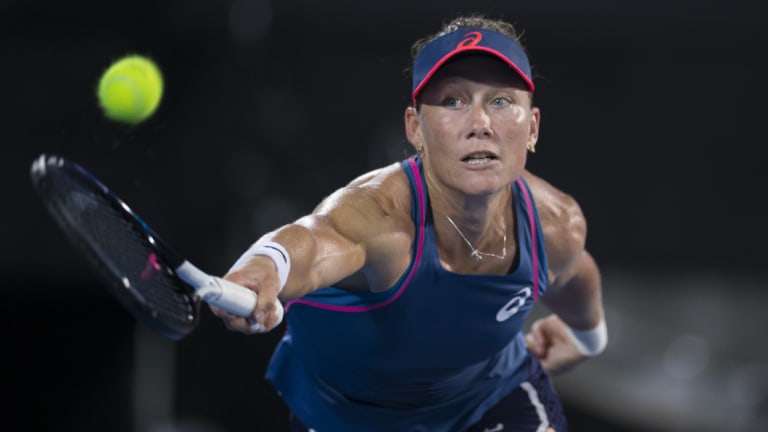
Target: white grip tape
{"points": [[231, 297], [590, 342], [276, 252]]}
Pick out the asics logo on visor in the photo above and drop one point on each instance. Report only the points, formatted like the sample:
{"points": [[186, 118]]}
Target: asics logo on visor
{"points": [[475, 39]]}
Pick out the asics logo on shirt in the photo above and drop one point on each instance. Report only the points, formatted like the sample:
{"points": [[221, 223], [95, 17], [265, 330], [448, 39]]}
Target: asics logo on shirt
{"points": [[499, 427], [514, 305]]}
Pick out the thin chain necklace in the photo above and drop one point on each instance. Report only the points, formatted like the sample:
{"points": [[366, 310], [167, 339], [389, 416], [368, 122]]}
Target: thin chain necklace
{"points": [[476, 254]]}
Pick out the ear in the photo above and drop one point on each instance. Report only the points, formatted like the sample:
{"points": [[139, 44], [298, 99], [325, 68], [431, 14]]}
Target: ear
{"points": [[413, 127], [533, 126]]}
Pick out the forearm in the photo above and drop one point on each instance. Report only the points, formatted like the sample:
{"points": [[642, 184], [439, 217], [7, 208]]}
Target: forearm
{"points": [[576, 295], [318, 256], [576, 330]]}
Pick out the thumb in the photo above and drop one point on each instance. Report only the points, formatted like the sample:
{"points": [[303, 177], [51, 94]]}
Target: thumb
{"points": [[535, 339]]}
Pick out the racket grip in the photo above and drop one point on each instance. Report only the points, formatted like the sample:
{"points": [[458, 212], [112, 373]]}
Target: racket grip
{"points": [[229, 296], [233, 298], [239, 300]]}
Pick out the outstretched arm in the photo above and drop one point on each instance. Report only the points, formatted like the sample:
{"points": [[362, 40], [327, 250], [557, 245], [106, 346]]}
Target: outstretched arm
{"points": [[351, 231]]}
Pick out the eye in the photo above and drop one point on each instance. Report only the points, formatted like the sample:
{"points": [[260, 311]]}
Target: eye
{"points": [[452, 102], [501, 102]]}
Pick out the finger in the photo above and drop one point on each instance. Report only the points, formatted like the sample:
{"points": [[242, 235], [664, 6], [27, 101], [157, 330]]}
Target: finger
{"points": [[271, 319], [266, 316], [532, 342], [549, 366], [219, 313], [236, 323], [535, 339], [276, 317]]}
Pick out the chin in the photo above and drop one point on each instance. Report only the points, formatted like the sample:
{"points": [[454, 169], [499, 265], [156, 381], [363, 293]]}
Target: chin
{"points": [[484, 188]]}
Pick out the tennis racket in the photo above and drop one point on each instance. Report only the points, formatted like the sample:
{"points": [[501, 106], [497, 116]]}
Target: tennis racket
{"points": [[159, 288]]}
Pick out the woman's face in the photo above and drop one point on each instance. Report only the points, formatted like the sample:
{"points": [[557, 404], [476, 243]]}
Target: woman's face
{"points": [[474, 125]]}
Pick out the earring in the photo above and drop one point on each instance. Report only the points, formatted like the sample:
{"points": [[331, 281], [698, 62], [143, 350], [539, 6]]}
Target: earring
{"points": [[420, 151], [531, 146]]}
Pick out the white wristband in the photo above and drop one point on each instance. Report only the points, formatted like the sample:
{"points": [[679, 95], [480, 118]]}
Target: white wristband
{"points": [[276, 252], [590, 342]]}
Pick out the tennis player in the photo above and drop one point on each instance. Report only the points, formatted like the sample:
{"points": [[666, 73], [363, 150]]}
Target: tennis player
{"points": [[455, 245]]}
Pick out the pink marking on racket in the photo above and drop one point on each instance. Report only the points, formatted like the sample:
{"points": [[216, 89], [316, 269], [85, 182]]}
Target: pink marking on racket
{"points": [[151, 265]]}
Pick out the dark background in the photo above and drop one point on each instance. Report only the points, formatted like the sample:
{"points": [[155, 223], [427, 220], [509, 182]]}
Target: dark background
{"points": [[652, 117]]}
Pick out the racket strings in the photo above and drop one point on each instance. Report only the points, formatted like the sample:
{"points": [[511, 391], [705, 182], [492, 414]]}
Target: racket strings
{"points": [[139, 276]]}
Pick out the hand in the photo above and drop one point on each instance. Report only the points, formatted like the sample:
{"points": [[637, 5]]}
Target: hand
{"points": [[258, 274], [550, 342]]}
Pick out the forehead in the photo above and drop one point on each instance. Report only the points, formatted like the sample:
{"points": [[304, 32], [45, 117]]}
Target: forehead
{"points": [[484, 69]]}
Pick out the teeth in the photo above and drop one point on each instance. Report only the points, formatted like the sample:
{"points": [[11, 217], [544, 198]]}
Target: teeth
{"points": [[478, 160]]}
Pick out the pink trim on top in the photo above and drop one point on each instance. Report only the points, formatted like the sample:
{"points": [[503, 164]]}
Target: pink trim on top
{"points": [[419, 248], [534, 252]]}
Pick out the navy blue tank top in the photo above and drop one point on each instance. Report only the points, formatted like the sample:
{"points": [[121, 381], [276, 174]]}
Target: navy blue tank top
{"points": [[432, 353]]}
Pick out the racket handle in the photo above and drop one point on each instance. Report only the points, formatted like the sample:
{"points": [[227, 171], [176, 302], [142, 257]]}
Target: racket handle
{"points": [[229, 296], [236, 299]]}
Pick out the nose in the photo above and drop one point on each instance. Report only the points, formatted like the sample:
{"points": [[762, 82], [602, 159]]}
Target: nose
{"points": [[480, 122]]}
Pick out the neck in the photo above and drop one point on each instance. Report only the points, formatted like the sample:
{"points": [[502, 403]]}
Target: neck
{"points": [[465, 224], [474, 214]]}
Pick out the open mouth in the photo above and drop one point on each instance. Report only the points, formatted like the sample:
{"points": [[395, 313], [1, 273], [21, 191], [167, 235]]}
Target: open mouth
{"points": [[479, 158]]}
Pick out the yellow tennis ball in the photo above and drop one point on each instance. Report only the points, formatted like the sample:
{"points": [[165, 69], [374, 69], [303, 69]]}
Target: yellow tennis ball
{"points": [[130, 89]]}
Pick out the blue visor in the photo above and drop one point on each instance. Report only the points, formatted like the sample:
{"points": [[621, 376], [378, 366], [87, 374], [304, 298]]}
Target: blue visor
{"points": [[441, 49]]}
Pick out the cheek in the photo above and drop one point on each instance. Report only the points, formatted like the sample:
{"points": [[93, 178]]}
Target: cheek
{"points": [[437, 132], [518, 124], [518, 116]]}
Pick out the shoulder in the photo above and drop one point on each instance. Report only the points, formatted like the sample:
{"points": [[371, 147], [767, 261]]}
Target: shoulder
{"points": [[374, 212], [374, 203], [562, 221], [385, 188]]}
